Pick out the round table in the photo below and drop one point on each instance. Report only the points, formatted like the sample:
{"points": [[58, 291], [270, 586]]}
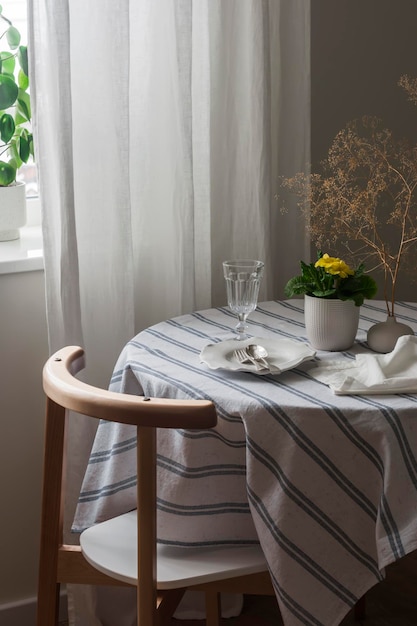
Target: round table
{"points": [[326, 483]]}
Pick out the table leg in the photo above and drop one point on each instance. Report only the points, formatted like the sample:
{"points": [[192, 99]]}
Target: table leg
{"points": [[213, 608]]}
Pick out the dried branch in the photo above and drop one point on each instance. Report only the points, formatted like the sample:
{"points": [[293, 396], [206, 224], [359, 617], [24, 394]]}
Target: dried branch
{"points": [[367, 189]]}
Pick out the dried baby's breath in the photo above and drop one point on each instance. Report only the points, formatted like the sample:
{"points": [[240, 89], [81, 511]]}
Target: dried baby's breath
{"points": [[365, 196]]}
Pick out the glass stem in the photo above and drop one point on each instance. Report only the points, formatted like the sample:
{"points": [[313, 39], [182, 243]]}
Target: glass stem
{"points": [[241, 326]]}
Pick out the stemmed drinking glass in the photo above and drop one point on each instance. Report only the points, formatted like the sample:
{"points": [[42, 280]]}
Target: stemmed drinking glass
{"points": [[242, 284]]}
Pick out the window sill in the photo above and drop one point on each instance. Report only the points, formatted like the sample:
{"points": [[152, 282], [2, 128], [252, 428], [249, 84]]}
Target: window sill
{"points": [[24, 254]]}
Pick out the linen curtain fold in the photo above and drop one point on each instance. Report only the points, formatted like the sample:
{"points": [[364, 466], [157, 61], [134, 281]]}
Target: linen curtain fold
{"points": [[161, 130]]}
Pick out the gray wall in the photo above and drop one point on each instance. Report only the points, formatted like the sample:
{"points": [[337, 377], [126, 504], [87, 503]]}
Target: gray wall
{"points": [[24, 349], [359, 50]]}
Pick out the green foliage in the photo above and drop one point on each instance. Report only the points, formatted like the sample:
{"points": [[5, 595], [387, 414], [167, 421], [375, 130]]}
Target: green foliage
{"points": [[16, 140], [317, 282]]}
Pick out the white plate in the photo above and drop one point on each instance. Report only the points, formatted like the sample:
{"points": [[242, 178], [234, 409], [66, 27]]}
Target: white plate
{"points": [[283, 354]]}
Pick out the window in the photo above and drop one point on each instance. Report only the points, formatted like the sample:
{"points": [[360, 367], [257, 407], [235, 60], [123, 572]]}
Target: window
{"points": [[16, 12]]}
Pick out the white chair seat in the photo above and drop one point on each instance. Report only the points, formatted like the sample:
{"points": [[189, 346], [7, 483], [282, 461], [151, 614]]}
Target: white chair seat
{"points": [[111, 547]]}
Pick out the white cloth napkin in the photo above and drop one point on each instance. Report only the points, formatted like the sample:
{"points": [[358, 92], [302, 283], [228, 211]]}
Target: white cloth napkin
{"points": [[395, 372]]}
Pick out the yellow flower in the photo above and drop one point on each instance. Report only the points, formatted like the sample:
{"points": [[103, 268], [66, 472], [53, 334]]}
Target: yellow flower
{"points": [[334, 266]]}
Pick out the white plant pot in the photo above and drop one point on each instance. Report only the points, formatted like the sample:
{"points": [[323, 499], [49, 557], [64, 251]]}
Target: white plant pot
{"points": [[330, 324], [383, 336], [12, 211]]}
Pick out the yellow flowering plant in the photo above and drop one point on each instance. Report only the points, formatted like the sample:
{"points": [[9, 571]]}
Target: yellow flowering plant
{"points": [[330, 277]]}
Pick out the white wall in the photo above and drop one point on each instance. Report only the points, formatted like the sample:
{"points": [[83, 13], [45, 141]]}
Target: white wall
{"points": [[23, 350]]}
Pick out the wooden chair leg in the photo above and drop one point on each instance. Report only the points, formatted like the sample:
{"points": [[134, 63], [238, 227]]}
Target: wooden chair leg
{"points": [[52, 517], [167, 602], [359, 610], [213, 608], [48, 605]]}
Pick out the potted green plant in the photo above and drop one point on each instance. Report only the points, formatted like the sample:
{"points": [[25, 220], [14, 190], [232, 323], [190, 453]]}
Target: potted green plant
{"points": [[16, 139], [331, 278], [333, 293]]}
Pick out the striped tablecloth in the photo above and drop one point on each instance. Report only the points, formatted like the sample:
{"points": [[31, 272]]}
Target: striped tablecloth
{"points": [[326, 483]]}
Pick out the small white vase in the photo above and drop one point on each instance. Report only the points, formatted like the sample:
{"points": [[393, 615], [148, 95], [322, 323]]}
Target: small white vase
{"points": [[330, 324], [383, 336], [12, 211]]}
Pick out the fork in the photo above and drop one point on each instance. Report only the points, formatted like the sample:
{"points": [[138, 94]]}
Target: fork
{"points": [[244, 357]]}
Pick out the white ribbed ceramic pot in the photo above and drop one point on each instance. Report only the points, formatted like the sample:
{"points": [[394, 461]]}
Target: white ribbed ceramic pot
{"points": [[330, 324], [12, 211]]}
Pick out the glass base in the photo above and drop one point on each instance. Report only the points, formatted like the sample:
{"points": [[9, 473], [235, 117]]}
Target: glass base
{"points": [[241, 331]]}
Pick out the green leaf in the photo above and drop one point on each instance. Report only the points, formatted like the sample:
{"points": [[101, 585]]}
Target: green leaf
{"points": [[7, 174], [315, 281], [22, 80], [7, 63], [13, 37], [14, 151], [22, 57], [7, 127], [297, 286], [360, 270], [31, 145], [324, 293], [306, 270], [24, 148], [369, 286], [14, 164], [23, 105], [8, 92]]}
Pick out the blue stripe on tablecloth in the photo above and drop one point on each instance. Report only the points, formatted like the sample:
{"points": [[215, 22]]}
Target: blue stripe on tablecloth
{"points": [[342, 422], [400, 315], [406, 305], [116, 376], [313, 451], [311, 509], [411, 397], [288, 304], [393, 420], [191, 330], [304, 616], [175, 342], [282, 318], [221, 469], [206, 434], [359, 498], [107, 490], [253, 322], [391, 417], [117, 448], [337, 416], [316, 570], [221, 508], [275, 411]]}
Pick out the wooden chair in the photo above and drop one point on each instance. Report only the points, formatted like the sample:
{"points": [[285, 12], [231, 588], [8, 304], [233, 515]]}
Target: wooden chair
{"points": [[108, 553]]}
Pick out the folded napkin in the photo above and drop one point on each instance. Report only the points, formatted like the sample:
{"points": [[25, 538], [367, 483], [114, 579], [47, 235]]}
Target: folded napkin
{"points": [[395, 372]]}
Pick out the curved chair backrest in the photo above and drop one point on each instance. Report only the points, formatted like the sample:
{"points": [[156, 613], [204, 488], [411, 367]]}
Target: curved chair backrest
{"points": [[64, 389], [65, 564]]}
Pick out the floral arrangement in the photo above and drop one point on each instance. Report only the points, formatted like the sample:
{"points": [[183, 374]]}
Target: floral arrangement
{"points": [[330, 277], [365, 198]]}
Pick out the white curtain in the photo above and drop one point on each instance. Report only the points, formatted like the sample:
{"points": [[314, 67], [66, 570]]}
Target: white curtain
{"points": [[161, 130]]}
